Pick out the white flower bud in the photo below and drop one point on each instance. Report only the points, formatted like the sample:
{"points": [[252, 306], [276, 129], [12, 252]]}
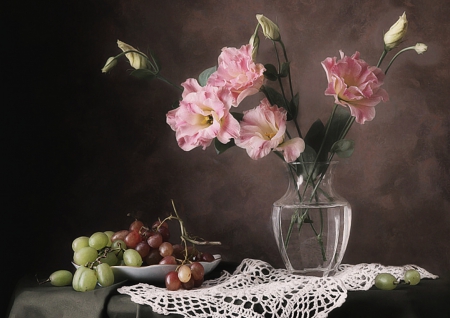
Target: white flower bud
{"points": [[420, 48], [110, 63], [137, 60], [396, 33], [254, 42], [270, 29]]}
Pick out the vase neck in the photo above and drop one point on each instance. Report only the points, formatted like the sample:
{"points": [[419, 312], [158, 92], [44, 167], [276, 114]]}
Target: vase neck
{"points": [[311, 181]]}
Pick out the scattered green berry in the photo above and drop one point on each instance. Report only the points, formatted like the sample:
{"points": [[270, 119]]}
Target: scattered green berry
{"points": [[412, 277], [385, 281]]}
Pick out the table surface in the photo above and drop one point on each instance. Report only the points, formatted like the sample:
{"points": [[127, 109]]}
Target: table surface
{"points": [[430, 298]]}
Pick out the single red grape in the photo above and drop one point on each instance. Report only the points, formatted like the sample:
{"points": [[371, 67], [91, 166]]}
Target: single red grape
{"points": [[165, 249], [132, 239], [155, 240], [136, 226], [143, 249], [197, 270], [168, 260], [165, 233], [207, 257], [153, 257], [188, 285], [146, 234], [119, 235], [172, 282]]}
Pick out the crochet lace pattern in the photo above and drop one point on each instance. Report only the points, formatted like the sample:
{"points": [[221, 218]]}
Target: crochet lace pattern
{"points": [[256, 289]]}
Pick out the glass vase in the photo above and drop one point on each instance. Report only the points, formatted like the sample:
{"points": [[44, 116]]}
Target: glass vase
{"points": [[311, 222]]}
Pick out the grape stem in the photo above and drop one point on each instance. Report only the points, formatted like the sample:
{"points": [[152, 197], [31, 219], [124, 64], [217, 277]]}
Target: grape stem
{"points": [[185, 236], [42, 282]]}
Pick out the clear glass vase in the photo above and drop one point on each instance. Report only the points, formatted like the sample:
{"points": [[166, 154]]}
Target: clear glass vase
{"points": [[311, 222]]}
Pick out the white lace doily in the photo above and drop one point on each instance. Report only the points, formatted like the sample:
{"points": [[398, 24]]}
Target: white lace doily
{"points": [[362, 276], [256, 289]]}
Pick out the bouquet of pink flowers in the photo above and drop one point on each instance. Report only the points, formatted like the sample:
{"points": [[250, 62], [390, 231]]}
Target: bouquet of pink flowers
{"points": [[206, 112], [206, 109]]}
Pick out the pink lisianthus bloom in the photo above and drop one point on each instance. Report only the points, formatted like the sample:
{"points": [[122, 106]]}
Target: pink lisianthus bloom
{"points": [[263, 130], [237, 72], [203, 115], [355, 84]]}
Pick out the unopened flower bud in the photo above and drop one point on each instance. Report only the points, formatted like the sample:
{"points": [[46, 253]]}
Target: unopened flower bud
{"points": [[137, 60], [420, 48], [110, 63], [396, 33], [254, 42], [270, 29]]}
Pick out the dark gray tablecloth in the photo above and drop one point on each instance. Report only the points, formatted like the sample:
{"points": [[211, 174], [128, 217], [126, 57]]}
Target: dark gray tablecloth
{"points": [[430, 299]]}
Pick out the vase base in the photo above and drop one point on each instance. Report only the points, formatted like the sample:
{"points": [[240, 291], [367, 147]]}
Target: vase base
{"points": [[318, 272]]}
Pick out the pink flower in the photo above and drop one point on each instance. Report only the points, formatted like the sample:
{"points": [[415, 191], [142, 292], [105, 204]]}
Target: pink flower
{"points": [[238, 73], [355, 84], [263, 130], [203, 115]]}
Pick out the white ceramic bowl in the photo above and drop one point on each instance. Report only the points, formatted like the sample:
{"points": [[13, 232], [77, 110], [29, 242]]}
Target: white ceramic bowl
{"points": [[153, 273]]}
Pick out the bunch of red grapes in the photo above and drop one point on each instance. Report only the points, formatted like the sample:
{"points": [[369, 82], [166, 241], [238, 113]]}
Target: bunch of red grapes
{"points": [[153, 246]]}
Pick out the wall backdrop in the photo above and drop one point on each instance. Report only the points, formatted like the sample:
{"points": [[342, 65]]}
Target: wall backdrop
{"points": [[83, 149]]}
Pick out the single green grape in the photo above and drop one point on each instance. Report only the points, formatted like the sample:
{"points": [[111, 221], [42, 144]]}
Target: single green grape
{"points": [[110, 259], [84, 279], [412, 277], [61, 278], [119, 246], [85, 255], [385, 281], [80, 242], [132, 258], [98, 240], [105, 275], [109, 234]]}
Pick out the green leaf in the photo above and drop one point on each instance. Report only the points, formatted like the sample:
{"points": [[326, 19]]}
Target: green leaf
{"points": [[343, 148], [271, 72], [293, 108], [309, 154], [176, 104], [337, 125], [285, 69], [315, 135], [220, 147], [143, 73], [203, 77], [274, 97], [155, 60]]}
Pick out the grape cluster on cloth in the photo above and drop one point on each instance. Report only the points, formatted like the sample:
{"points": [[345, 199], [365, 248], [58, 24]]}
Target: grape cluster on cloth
{"points": [[256, 289]]}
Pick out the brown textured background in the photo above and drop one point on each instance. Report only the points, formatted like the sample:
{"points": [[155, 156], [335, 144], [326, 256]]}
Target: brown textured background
{"points": [[81, 149]]}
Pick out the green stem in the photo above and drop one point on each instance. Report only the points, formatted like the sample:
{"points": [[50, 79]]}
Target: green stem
{"points": [[344, 132], [289, 74], [321, 146], [162, 78], [280, 82], [316, 185], [396, 55], [383, 55]]}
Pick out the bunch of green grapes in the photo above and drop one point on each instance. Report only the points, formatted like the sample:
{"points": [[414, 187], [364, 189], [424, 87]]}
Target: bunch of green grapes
{"points": [[94, 257]]}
